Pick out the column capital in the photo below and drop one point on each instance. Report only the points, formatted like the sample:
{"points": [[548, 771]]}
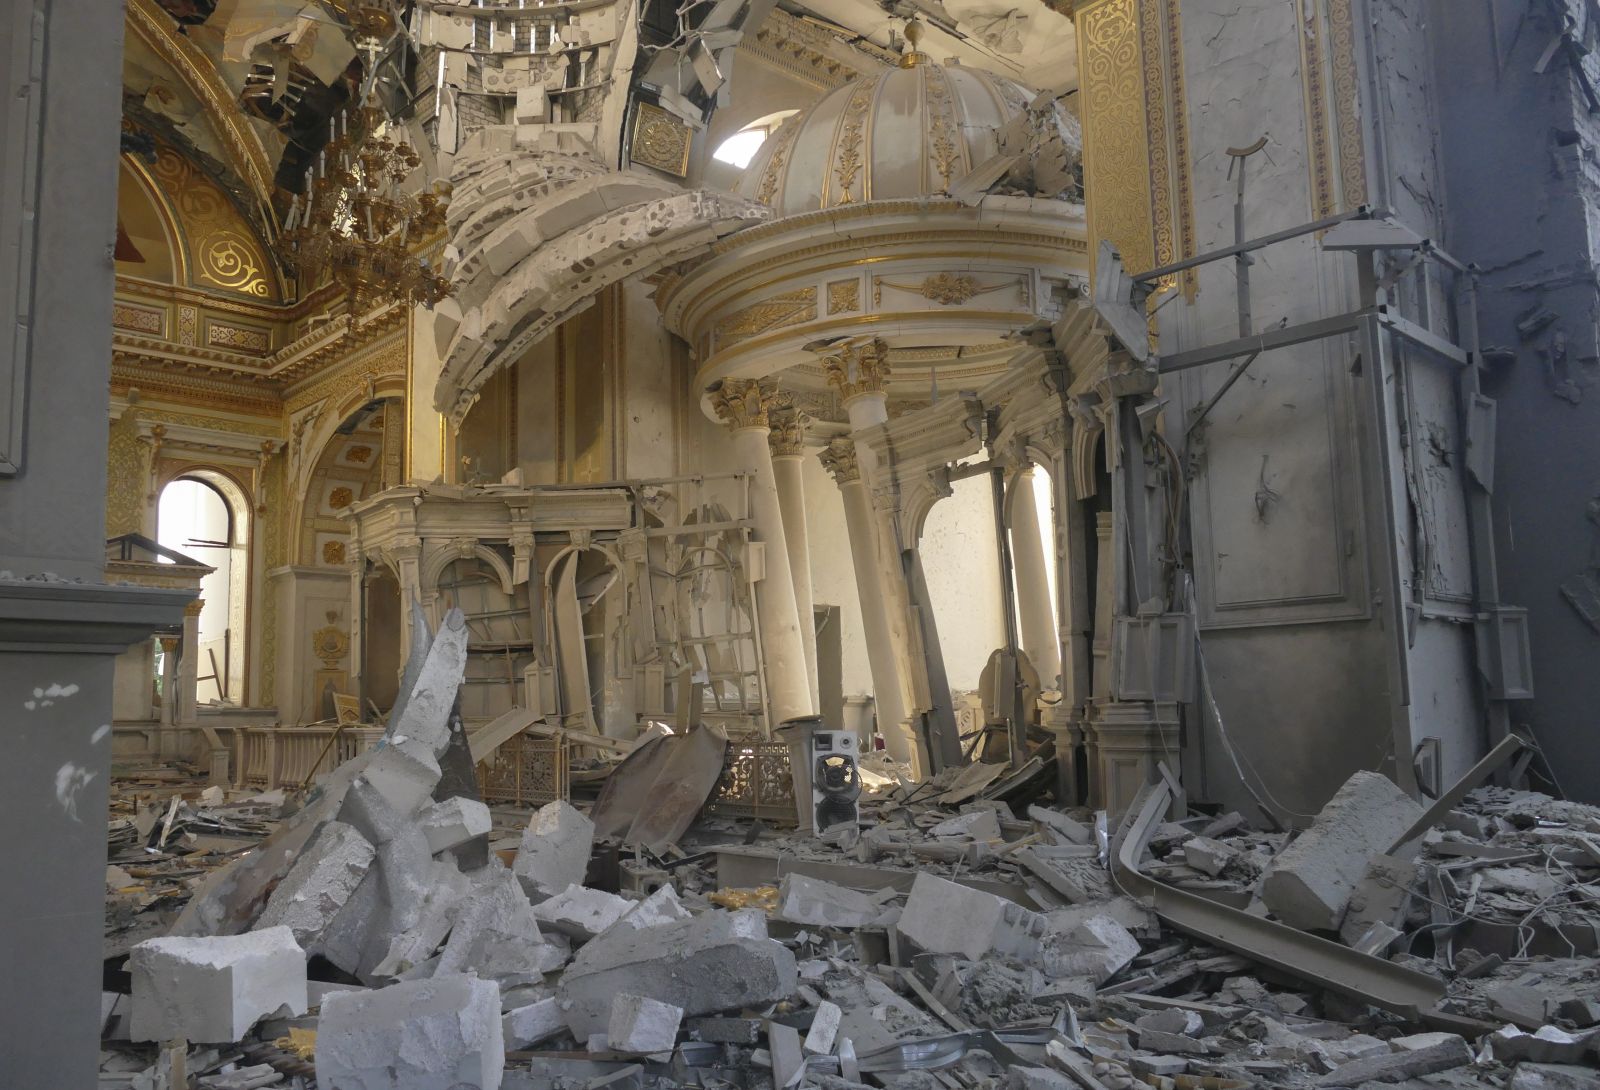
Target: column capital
{"points": [[193, 608], [856, 369], [742, 402], [839, 459], [788, 423]]}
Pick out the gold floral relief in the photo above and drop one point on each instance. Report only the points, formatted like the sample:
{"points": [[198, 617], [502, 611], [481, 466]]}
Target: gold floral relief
{"points": [[850, 142], [942, 123], [785, 309], [844, 297], [223, 250], [340, 498], [1347, 105], [1117, 172], [333, 552], [359, 455]]}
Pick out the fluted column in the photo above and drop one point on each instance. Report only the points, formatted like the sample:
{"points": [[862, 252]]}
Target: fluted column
{"points": [[1035, 615], [841, 460], [189, 665], [743, 404], [860, 372], [787, 439]]}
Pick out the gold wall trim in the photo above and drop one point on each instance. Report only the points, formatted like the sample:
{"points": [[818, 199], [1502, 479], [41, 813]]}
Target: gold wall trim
{"points": [[1347, 105], [1116, 162], [1319, 152], [247, 155]]}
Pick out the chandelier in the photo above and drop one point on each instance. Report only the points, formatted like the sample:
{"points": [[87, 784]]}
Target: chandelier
{"points": [[355, 223]]}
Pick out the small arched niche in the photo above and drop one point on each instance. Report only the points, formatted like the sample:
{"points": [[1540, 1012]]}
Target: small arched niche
{"points": [[205, 515]]}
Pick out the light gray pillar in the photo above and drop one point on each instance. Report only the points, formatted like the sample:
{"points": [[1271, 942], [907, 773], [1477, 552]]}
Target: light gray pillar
{"points": [[1035, 611], [787, 441]]}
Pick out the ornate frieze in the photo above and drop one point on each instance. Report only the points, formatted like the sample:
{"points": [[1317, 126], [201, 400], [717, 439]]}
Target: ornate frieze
{"points": [[785, 309]]}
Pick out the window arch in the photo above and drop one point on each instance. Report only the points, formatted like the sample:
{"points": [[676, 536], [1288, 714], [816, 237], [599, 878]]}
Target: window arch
{"points": [[738, 149], [204, 515]]}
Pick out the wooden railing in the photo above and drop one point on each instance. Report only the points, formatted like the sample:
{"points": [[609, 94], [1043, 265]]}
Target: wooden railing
{"points": [[269, 757]]}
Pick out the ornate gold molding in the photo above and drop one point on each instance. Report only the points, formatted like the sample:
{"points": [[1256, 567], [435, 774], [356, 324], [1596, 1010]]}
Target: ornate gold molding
{"points": [[857, 368], [660, 140], [786, 309], [1347, 105], [743, 403]]}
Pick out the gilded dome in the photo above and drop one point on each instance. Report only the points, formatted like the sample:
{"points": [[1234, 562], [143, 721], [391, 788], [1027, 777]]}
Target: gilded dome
{"points": [[903, 133]]}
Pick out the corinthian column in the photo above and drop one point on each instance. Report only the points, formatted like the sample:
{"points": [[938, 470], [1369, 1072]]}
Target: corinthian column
{"points": [[743, 404], [840, 459], [860, 372], [787, 441]]}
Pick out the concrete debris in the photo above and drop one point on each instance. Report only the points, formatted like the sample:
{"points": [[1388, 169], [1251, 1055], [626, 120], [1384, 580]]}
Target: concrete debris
{"points": [[215, 988], [555, 850], [640, 1024], [1310, 883], [745, 956], [438, 1034]]}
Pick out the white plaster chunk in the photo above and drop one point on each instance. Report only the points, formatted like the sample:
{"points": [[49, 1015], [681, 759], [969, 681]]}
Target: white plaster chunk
{"points": [[214, 989], [661, 907], [533, 1024], [421, 908], [555, 850], [582, 913], [320, 883], [641, 1024], [823, 904], [824, 1029], [1309, 884], [945, 918], [452, 822], [438, 1034], [404, 773], [497, 936], [1098, 948], [714, 962], [976, 825], [1208, 856]]}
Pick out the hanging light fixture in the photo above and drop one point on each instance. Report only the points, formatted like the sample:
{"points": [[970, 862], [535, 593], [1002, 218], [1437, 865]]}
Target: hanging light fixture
{"points": [[355, 223]]}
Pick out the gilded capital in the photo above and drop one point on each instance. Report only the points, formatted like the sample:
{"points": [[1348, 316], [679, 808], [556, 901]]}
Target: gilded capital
{"points": [[839, 459], [860, 368], [788, 423], [742, 402]]}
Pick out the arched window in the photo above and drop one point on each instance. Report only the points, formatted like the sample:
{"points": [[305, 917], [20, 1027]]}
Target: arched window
{"points": [[195, 518], [738, 149]]}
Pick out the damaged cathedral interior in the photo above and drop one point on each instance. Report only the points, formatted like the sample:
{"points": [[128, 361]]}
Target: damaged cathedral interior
{"points": [[761, 544]]}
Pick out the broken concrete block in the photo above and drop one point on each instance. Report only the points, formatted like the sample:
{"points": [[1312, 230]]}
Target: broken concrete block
{"points": [[532, 1024], [661, 907], [555, 850], [214, 989], [496, 934], [1381, 896], [823, 904], [582, 913], [1097, 948], [1309, 884], [1532, 1076], [419, 902], [1155, 1040], [716, 961], [1397, 1066], [726, 1031], [788, 1062], [426, 715], [1075, 832], [824, 1029], [976, 825], [1037, 1078], [438, 1034], [452, 822], [641, 1024], [319, 883], [945, 918], [404, 773], [1173, 1020], [1208, 856]]}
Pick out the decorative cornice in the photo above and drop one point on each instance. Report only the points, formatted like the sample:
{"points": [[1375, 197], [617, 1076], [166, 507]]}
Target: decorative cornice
{"points": [[858, 368], [839, 459], [742, 403], [811, 53]]}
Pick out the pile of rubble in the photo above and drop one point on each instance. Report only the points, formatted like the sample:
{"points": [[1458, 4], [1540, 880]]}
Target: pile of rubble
{"points": [[374, 940]]}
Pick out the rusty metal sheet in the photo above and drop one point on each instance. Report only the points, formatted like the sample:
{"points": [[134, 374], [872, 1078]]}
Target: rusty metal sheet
{"points": [[656, 792]]}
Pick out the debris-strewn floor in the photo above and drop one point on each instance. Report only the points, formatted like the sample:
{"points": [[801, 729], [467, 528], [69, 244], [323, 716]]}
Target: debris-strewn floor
{"points": [[935, 946]]}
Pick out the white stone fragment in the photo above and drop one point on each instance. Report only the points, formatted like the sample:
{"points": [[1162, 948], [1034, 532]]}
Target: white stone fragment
{"points": [[404, 772], [975, 825], [533, 1024], [1098, 948], [582, 913], [319, 883], [824, 1029], [1308, 885], [641, 1024], [945, 918], [1208, 856], [438, 1034], [454, 821], [555, 850], [822, 904], [661, 907], [214, 989]]}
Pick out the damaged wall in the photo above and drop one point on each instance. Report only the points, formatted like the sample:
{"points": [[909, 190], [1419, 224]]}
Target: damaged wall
{"points": [[1518, 148]]}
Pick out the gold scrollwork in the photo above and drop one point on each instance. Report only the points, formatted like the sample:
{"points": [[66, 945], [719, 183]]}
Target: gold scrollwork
{"points": [[660, 140], [844, 296], [785, 309]]}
